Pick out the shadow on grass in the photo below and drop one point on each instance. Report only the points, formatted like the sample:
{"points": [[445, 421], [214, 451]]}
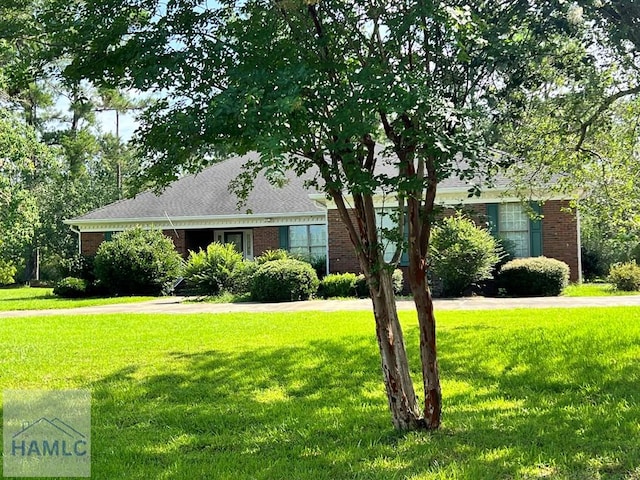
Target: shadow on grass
{"points": [[545, 402], [27, 298], [320, 412]]}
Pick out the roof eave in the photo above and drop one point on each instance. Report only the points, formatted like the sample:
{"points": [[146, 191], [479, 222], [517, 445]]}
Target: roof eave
{"points": [[460, 196], [197, 222]]}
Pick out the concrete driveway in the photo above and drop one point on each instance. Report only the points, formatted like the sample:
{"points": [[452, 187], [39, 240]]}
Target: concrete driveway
{"points": [[180, 305]]}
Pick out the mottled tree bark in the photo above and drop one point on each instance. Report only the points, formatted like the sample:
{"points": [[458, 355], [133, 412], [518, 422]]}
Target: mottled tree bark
{"points": [[428, 353], [403, 403]]}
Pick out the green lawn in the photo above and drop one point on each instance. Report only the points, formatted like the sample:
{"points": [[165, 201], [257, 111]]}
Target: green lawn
{"points": [[26, 298], [527, 394], [593, 290]]}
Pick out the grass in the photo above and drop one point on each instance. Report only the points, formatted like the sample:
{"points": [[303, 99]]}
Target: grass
{"points": [[573, 290], [224, 297], [26, 298], [527, 394], [594, 290]]}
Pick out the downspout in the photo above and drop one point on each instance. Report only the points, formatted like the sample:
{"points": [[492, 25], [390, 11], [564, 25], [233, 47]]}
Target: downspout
{"points": [[326, 236], [579, 244], [79, 238]]}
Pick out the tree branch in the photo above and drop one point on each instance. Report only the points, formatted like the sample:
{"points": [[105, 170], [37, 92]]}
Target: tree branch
{"points": [[603, 106]]}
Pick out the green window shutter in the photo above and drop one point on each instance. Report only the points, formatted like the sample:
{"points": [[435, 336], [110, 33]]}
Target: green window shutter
{"points": [[283, 236], [108, 236], [492, 214], [535, 232], [404, 258]]}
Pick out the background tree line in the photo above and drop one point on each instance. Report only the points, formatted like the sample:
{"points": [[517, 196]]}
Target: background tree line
{"points": [[56, 161]]}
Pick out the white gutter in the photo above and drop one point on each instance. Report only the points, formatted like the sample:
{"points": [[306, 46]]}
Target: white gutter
{"points": [[195, 222]]}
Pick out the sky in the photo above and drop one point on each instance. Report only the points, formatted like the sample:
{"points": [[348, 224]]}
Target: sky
{"points": [[128, 124]]}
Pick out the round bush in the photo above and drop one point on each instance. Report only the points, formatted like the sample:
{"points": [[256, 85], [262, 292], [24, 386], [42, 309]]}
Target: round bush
{"points": [[534, 277], [338, 285], [284, 281], [362, 288], [239, 280], [625, 276], [318, 262], [71, 287], [137, 262], [207, 272], [461, 254]]}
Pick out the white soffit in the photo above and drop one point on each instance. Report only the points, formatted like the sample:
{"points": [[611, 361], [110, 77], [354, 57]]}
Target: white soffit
{"points": [[191, 223], [448, 197]]}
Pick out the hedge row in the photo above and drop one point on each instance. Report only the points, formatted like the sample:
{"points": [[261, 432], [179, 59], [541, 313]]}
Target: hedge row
{"points": [[139, 262]]}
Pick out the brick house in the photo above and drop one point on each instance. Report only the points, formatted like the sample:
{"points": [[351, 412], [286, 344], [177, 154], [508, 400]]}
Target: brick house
{"points": [[199, 209]]}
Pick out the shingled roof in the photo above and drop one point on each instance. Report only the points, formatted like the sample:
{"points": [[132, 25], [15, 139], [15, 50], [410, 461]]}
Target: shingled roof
{"points": [[207, 194]]}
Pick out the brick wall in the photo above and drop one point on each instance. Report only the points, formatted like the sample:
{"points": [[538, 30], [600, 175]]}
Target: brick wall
{"points": [[179, 238], [560, 235], [265, 238], [478, 213], [91, 242], [342, 254], [342, 257]]}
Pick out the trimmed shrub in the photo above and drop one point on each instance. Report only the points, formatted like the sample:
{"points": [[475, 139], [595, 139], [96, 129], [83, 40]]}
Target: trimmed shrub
{"points": [[362, 289], [534, 277], [207, 272], [462, 254], [239, 280], [71, 287], [338, 285], [284, 281], [318, 262], [625, 276], [137, 262]]}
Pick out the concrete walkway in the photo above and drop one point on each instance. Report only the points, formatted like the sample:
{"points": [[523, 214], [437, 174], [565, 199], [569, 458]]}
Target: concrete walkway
{"points": [[178, 305]]}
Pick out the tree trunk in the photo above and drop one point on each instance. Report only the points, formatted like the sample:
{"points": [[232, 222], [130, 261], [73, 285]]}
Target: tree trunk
{"points": [[403, 403], [428, 353]]}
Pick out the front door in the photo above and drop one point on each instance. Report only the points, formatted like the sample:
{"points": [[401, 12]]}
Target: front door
{"points": [[236, 239]]}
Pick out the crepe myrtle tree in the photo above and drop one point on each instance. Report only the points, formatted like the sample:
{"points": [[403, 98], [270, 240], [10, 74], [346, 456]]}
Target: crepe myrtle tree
{"points": [[332, 86]]}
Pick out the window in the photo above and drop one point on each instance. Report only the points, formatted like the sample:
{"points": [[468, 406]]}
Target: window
{"points": [[386, 220], [512, 221], [513, 224], [308, 240]]}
